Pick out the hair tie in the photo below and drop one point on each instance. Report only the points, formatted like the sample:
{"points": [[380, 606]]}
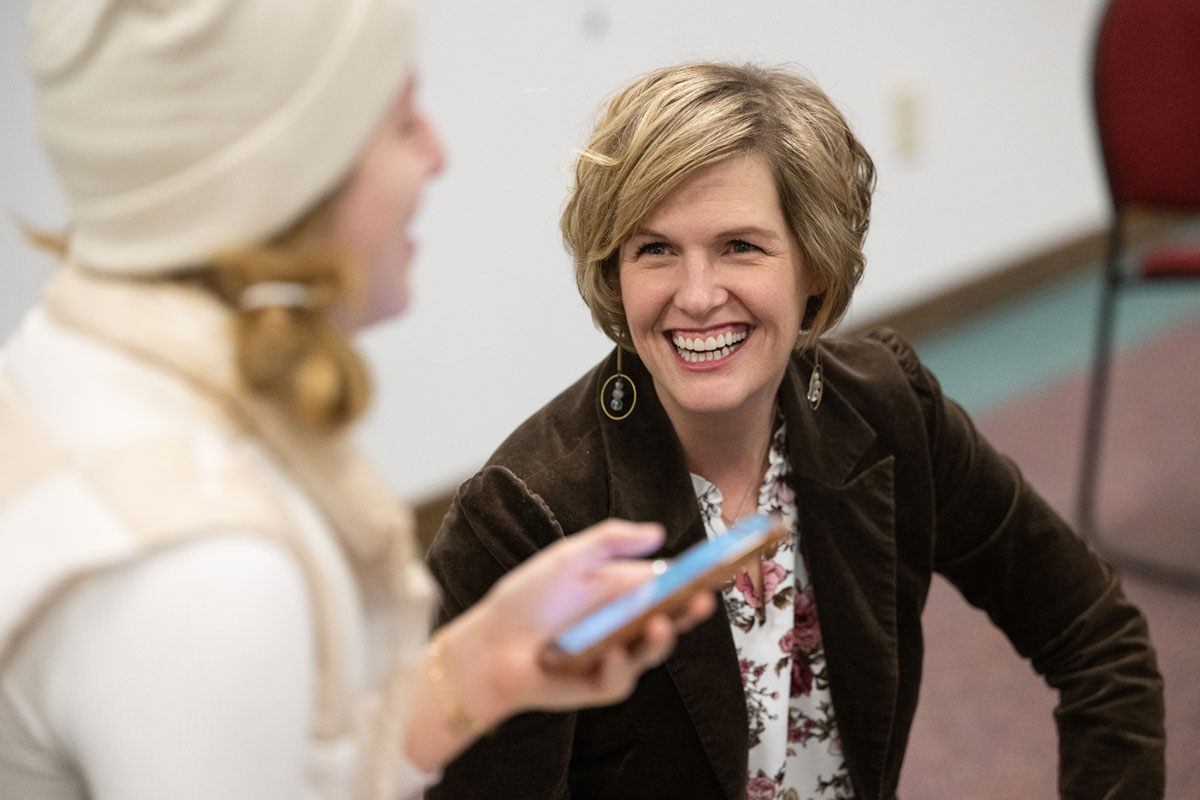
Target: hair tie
{"points": [[270, 294]]}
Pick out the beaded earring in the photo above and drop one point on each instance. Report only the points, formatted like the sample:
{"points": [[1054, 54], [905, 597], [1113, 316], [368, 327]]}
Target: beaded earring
{"points": [[816, 382], [613, 402]]}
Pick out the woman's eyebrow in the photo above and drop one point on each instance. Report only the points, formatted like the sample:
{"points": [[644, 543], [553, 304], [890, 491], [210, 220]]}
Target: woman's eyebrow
{"points": [[653, 234], [749, 230], [731, 233]]}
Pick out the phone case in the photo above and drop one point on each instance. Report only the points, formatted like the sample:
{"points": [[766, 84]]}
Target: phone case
{"points": [[556, 656]]}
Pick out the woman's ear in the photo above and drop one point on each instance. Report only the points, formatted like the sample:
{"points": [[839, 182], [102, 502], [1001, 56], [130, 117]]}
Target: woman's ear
{"points": [[815, 283], [812, 307]]}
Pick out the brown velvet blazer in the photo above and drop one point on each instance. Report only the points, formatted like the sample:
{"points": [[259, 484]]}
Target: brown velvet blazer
{"points": [[892, 483]]}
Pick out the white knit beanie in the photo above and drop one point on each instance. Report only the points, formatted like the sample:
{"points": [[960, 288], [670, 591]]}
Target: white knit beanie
{"points": [[181, 128]]}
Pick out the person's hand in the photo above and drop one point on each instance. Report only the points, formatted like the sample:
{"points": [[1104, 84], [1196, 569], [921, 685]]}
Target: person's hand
{"points": [[494, 650]]}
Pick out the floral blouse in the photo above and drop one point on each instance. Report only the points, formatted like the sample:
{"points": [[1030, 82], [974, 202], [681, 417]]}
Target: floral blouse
{"points": [[795, 750]]}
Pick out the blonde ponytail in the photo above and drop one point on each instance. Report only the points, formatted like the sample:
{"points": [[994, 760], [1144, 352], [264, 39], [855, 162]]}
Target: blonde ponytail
{"points": [[291, 352]]}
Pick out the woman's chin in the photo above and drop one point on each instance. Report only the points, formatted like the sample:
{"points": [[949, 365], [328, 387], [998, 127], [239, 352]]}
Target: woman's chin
{"points": [[706, 403]]}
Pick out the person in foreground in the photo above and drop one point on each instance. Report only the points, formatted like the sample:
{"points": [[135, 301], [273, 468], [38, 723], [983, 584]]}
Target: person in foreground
{"points": [[206, 593], [716, 223]]}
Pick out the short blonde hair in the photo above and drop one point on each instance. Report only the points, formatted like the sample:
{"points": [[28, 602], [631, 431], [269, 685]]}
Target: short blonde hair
{"points": [[670, 124]]}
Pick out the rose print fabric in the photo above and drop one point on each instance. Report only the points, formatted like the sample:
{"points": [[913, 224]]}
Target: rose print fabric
{"points": [[795, 751]]}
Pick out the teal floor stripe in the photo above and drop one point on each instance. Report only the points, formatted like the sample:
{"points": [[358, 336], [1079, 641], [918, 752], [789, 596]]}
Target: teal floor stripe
{"points": [[1020, 347]]}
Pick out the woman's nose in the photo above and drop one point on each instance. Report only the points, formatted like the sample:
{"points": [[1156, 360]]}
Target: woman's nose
{"points": [[700, 290]]}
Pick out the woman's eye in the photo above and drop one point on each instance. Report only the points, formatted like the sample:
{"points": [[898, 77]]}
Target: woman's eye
{"points": [[652, 249], [740, 246]]}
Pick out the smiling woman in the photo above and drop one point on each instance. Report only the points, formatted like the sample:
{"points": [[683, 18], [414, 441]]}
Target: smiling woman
{"points": [[716, 264], [716, 223]]}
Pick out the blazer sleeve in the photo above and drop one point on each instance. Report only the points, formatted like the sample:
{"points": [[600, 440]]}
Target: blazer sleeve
{"points": [[1013, 556], [495, 523]]}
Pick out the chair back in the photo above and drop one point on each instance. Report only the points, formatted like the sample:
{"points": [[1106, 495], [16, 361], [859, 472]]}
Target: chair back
{"points": [[1146, 82]]}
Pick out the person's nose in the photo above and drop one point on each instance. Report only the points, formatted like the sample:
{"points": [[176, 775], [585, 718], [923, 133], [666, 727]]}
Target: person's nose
{"points": [[435, 148], [700, 290]]}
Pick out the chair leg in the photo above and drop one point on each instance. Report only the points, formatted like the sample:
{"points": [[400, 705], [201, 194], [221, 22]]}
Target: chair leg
{"points": [[1129, 563], [1097, 400]]}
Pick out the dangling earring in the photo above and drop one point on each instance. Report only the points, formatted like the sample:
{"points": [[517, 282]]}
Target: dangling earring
{"points": [[613, 402], [816, 383]]}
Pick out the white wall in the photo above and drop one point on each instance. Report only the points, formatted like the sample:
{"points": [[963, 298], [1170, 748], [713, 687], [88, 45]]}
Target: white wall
{"points": [[1004, 163]]}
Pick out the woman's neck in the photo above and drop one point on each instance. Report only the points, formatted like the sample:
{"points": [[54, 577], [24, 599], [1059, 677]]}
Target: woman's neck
{"points": [[728, 448]]}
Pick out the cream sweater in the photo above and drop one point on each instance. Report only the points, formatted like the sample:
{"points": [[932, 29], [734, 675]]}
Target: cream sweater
{"points": [[195, 600]]}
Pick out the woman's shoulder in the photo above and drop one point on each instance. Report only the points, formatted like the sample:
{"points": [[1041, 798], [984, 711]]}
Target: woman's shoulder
{"points": [[873, 348], [85, 663], [96, 396], [878, 376], [562, 430], [876, 362], [552, 463]]}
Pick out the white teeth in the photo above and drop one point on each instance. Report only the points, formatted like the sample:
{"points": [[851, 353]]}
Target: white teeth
{"points": [[707, 349]]}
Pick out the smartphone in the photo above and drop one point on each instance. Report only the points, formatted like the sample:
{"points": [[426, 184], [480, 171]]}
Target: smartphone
{"points": [[705, 565]]}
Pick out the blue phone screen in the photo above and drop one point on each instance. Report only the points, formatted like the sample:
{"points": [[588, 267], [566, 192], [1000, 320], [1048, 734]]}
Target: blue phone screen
{"points": [[693, 562]]}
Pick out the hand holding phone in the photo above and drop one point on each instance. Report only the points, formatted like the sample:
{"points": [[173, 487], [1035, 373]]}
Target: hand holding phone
{"points": [[704, 566]]}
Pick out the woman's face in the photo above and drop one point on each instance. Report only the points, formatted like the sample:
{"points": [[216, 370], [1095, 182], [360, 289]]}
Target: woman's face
{"points": [[372, 215], [713, 285]]}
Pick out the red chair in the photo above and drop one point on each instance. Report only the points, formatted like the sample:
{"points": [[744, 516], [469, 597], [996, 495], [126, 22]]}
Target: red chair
{"points": [[1146, 84]]}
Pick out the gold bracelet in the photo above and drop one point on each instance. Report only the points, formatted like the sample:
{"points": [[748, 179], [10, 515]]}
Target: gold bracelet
{"points": [[448, 698]]}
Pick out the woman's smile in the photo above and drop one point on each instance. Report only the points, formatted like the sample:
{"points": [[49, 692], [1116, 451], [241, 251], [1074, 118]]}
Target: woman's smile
{"points": [[709, 348]]}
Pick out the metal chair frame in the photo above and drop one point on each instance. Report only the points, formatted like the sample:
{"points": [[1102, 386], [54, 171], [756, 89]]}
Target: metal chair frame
{"points": [[1130, 562], [1114, 281]]}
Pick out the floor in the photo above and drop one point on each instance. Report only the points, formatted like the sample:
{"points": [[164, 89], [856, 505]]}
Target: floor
{"points": [[984, 728], [1045, 337]]}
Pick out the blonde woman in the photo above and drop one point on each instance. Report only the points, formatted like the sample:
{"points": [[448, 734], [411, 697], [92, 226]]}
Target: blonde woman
{"points": [[716, 223], [204, 591]]}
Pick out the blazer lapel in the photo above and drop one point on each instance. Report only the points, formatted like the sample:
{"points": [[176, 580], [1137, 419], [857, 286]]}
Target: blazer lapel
{"points": [[649, 480], [846, 502]]}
